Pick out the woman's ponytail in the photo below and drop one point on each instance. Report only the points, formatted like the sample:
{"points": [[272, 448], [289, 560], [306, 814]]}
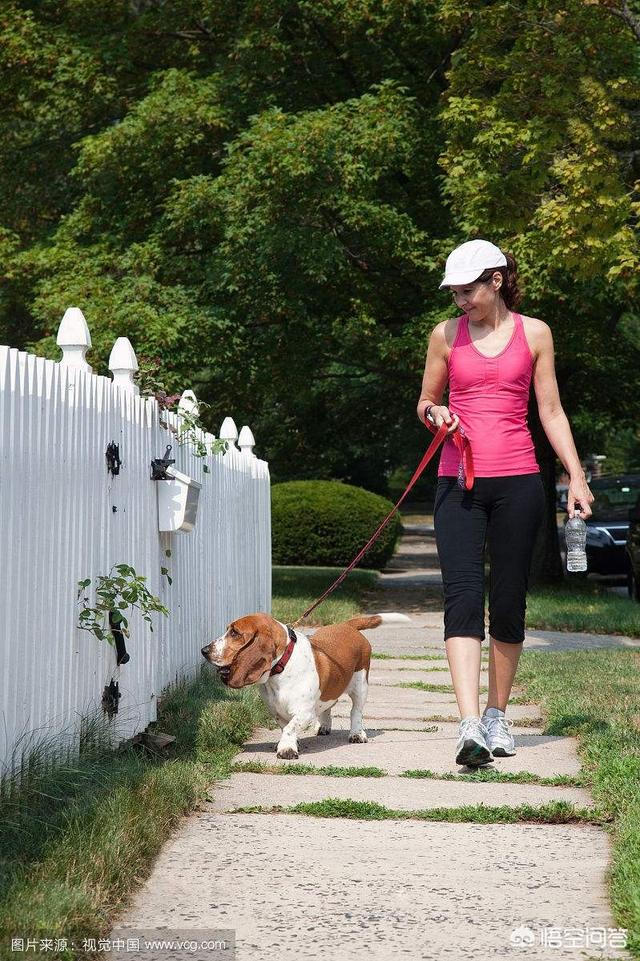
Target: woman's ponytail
{"points": [[510, 290]]}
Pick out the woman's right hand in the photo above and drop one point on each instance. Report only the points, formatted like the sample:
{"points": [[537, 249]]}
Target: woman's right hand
{"points": [[442, 415]]}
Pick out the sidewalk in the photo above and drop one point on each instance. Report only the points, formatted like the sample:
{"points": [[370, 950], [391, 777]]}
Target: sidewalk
{"points": [[300, 886]]}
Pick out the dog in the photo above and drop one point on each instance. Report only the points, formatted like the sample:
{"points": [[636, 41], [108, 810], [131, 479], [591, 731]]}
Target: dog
{"points": [[300, 678]]}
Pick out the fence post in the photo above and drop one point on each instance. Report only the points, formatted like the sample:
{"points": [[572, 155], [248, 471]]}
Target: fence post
{"points": [[123, 363], [74, 340], [229, 432], [246, 441]]}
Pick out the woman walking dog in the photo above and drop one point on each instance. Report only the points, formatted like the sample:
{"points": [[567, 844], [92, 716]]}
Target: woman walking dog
{"points": [[488, 356]]}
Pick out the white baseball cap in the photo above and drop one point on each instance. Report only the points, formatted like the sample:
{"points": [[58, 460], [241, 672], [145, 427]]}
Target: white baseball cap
{"points": [[469, 260]]}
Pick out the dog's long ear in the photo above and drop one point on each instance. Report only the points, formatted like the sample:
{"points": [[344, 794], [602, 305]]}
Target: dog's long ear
{"points": [[252, 661]]}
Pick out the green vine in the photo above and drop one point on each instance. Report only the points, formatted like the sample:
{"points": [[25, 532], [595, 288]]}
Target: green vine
{"points": [[190, 424], [148, 378], [115, 593]]}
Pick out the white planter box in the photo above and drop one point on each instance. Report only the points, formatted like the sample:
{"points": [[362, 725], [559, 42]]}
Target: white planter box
{"points": [[177, 502]]}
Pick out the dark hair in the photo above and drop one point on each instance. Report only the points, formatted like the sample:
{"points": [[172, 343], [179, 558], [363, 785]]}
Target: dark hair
{"points": [[509, 291]]}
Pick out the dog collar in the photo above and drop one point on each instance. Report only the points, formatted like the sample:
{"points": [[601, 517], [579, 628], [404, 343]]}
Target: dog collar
{"points": [[280, 665]]}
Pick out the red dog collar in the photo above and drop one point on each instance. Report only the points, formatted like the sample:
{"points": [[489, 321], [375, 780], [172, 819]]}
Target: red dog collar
{"points": [[280, 665]]}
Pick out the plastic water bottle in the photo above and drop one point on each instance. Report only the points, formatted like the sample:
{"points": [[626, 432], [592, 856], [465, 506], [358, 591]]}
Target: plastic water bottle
{"points": [[575, 533]]}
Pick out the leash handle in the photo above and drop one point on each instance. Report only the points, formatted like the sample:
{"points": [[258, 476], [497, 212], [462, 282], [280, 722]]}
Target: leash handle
{"points": [[461, 441], [440, 433]]}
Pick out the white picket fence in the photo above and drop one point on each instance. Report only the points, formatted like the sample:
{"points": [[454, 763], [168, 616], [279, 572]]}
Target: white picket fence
{"points": [[65, 517]]}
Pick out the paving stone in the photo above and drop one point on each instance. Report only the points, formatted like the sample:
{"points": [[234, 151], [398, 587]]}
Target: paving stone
{"points": [[396, 751], [387, 677], [427, 711], [565, 641], [401, 794], [399, 698], [296, 887]]}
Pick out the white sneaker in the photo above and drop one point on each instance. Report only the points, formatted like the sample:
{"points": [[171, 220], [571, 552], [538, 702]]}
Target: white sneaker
{"points": [[472, 748], [499, 738]]}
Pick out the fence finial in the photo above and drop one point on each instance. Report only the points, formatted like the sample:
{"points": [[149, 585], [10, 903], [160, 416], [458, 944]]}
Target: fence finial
{"points": [[229, 432], [246, 441], [188, 403], [122, 364], [74, 339]]}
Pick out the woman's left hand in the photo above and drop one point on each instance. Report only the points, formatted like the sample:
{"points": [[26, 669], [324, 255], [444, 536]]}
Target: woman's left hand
{"points": [[579, 493]]}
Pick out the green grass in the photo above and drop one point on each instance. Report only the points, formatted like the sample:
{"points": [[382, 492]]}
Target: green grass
{"points": [[595, 696], [433, 688], [429, 669], [580, 605], [296, 588], [455, 718], [409, 657], [77, 835], [504, 777], [432, 729], [449, 689], [556, 812], [262, 767]]}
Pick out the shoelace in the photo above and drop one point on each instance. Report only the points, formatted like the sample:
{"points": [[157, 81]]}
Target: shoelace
{"points": [[472, 724], [503, 724]]}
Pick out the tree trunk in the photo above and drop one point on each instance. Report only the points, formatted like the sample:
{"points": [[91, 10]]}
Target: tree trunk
{"points": [[546, 563]]}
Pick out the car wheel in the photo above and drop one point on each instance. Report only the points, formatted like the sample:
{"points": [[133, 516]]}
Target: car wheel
{"points": [[633, 586]]}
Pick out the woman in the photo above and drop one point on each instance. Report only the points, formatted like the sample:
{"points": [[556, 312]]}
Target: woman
{"points": [[488, 356]]}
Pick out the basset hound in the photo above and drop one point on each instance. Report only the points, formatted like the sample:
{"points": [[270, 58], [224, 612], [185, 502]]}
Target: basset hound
{"points": [[300, 677]]}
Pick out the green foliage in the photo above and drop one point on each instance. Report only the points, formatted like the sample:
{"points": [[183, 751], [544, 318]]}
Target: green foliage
{"points": [[622, 451], [262, 194], [328, 523], [115, 592]]}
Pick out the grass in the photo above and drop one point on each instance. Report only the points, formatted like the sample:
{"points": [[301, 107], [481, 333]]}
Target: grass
{"points": [[582, 605], [556, 812], [262, 767], [77, 835], [429, 669], [595, 696], [431, 688], [409, 657], [455, 718], [295, 589], [449, 689], [504, 777]]}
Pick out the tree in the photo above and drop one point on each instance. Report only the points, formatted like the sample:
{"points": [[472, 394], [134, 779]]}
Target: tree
{"points": [[264, 193]]}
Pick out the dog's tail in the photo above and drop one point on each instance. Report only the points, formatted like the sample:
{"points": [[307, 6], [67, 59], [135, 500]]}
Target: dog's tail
{"points": [[365, 622]]}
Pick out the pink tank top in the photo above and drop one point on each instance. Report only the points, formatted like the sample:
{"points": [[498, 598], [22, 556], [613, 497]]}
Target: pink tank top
{"points": [[490, 396]]}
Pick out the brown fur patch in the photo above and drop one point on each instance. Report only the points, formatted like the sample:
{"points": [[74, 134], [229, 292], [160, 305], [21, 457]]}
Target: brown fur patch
{"points": [[339, 651]]}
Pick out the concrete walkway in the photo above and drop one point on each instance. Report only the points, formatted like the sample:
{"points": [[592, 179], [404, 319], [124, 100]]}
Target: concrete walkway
{"points": [[295, 886]]}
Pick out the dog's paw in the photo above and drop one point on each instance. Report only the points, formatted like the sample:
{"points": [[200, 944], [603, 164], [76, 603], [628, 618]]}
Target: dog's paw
{"points": [[287, 754], [359, 738], [323, 729]]}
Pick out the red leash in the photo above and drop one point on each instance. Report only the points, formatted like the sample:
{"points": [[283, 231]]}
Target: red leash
{"points": [[466, 466]]}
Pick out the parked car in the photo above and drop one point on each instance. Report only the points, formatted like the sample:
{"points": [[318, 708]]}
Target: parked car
{"points": [[608, 525], [633, 550]]}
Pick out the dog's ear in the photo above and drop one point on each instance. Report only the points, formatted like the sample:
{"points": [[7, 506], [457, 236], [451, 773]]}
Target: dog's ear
{"points": [[252, 660]]}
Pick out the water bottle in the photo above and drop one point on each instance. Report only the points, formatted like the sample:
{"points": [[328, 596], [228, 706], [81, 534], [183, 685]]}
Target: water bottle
{"points": [[575, 533]]}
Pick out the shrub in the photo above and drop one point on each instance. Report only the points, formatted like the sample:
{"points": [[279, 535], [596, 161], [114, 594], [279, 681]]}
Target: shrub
{"points": [[326, 523]]}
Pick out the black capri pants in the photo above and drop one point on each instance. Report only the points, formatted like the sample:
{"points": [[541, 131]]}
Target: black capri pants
{"points": [[505, 513]]}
